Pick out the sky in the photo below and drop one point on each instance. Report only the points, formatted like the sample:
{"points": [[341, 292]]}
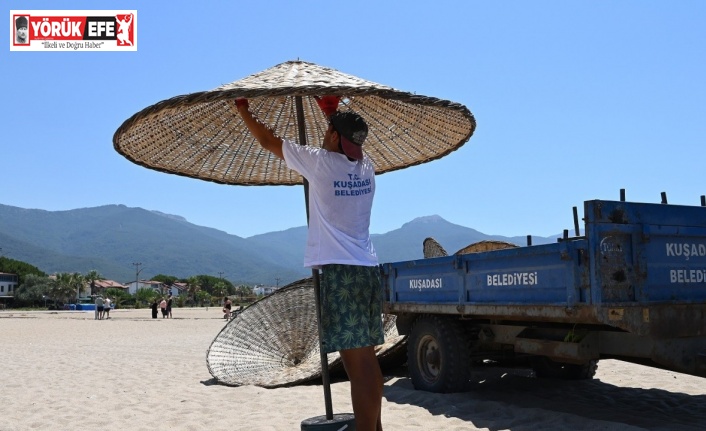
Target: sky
{"points": [[573, 102]]}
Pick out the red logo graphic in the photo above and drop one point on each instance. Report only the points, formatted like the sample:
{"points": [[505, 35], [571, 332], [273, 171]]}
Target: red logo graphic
{"points": [[125, 29]]}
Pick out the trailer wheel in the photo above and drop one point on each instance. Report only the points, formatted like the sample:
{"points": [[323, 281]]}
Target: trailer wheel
{"points": [[546, 368], [438, 355]]}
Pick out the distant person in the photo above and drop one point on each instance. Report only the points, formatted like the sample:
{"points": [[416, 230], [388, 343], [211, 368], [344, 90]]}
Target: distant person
{"points": [[163, 307], [99, 307], [21, 34], [154, 308], [227, 306], [106, 307], [169, 307]]}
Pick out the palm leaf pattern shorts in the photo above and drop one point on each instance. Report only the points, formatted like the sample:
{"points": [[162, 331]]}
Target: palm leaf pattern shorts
{"points": [[351, 307]]}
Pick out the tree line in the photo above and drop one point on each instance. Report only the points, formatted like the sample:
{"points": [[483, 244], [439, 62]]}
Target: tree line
{"points": [[36, 288]]}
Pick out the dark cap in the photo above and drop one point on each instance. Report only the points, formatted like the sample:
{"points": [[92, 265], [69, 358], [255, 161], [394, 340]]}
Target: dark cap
{"points": [[353, 131], [21, 22]]}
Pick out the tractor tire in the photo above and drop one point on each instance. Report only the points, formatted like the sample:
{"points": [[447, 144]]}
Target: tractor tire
{"points": [[438, 355]]}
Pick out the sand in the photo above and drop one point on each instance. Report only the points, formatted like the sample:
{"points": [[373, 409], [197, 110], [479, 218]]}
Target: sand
{"points": [[66, 371]]}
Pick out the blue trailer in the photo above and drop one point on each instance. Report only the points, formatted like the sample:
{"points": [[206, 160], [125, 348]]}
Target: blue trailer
{"points": [[633, 287]]}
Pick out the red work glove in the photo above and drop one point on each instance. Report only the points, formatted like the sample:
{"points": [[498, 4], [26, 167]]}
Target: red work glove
{"points": [[242, 102], [328, 104]]}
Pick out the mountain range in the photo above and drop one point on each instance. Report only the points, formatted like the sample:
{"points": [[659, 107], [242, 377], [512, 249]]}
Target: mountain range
{"points": [[112, 239]]}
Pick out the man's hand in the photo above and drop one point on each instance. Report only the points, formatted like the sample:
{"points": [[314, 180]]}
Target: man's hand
{"points": [[328, 104], [264, 135]]}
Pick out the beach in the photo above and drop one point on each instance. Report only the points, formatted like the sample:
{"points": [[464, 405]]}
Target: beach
{"points": [[64, 370]]}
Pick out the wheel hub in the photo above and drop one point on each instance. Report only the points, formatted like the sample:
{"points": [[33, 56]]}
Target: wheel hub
{"points": [[430, 358]]}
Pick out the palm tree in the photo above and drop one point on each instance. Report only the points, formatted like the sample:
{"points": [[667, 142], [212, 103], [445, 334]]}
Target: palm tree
{"points": [[204, 297], [243, 290], [91, 277], [219, 289], [63, 287], [117, 295], [76, 281], [193, 287]]}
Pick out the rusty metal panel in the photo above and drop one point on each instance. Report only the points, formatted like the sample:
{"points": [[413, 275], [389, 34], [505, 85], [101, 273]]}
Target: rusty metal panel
{"points": [[613, 264], [618, 212], [646, 253], [579, 353], [525, 313], [658, 320], [686, 355]]}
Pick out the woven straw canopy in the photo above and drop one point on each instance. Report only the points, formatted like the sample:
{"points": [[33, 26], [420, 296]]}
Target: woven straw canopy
{"points": [[432, 248], [487, 245], [274, 342], [197, 135]]}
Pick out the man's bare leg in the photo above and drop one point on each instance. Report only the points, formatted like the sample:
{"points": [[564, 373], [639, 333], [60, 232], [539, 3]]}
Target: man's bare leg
{"points": [[365, 376]]}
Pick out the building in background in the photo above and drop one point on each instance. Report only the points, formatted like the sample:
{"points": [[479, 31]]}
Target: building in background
{"points": [[8, 285]]}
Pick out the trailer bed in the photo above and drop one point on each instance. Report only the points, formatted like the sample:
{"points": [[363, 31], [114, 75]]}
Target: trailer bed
{"points": [[640, 269]]}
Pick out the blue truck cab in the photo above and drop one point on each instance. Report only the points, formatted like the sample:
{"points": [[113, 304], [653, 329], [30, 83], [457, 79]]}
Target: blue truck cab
{"points": [[633, 287]]}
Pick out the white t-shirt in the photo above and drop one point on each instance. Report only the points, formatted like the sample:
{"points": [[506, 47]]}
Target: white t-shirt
{"points": [[340, 201]]}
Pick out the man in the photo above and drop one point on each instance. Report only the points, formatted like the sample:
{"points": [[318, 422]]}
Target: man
{"points": [[163, 307], [341, 189], [21, 37], [227, 305], [154, 308], [106, 307], [169, 306], [99, 307]]}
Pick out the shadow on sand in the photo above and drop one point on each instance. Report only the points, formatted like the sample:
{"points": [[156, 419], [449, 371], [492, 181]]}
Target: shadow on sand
{"points": [[501, 396]]}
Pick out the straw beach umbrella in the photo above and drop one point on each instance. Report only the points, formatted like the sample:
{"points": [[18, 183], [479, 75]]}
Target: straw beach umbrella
{"points": [[274, 342], [486, 245], [432, 248], [198, 135]]}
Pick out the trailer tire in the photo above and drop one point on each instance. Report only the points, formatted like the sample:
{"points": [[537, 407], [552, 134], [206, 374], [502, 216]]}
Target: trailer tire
{"points": [[438, 355], [546, 368]]}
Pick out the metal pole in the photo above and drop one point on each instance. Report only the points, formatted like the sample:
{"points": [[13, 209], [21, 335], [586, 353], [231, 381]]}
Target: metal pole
{"points": [[315, 274], [137, 275]]}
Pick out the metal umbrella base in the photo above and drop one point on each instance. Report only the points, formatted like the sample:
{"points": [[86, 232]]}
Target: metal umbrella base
{"points": [[339, 422]]}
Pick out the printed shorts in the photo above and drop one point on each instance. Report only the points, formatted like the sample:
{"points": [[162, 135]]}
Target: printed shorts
{"points": [[351, 307]]}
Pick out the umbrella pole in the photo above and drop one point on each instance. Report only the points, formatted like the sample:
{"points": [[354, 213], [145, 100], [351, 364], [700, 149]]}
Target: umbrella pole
{"points": [[315, 274], [324, 357]]}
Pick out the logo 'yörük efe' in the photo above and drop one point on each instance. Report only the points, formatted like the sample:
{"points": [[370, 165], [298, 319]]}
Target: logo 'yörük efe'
{"points": [[57, 30]]}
